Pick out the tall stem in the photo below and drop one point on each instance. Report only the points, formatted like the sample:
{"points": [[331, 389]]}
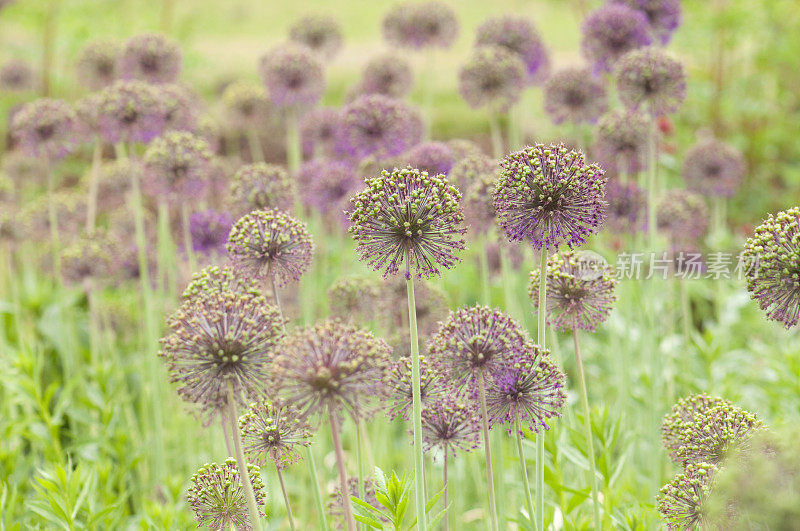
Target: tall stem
{"points": [[686, 310], [419, 466], [252, 506], [523, 467], [285, 498], [360, 458], [254, 142], [223, 420], [337, 446], [53, 219], [514, 133], [587, 424], [541, 327], [496, 135], [484, 266], [488, 450], [94, 177], [652, 172], [293, 154], [187, 236], [446, 520]]}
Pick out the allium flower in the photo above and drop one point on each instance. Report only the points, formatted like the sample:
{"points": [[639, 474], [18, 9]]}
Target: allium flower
{"points": [[319, 33], [177, 166], [408, 218], [531, 388], [97, 64], [682, 215], [712, 434], [471, 169], [246, 106], [520, 37], [17, 75], [215, 279], [326, 186], [221, 339], [45, 128], [268, 244], [274, 432], [261, 186], [115, 182], [494, 256], [580, 290], [476, 340], [478, 203], [218, 499], [450, 424], [494, 77], [650, 80], [627, 208], [387, 74], [682, 415], [621, 141], [430, 24], [463, 148], [681, 502], [549, 196], [377, 125], [664, 16], [432, 387], [130, 111], [182, 107], [209, 232], [70, 208], [610, 32], [573, 95], [432, 157], [293, 75], [151, 58], [318, 130], [354, 299], [24, 169], [331, 367], [431, 305], [713, 168], [89, 258], [773, 278]]}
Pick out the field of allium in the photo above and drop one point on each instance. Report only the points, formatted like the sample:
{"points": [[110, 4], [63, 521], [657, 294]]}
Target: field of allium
{"points": [[215, 216]]}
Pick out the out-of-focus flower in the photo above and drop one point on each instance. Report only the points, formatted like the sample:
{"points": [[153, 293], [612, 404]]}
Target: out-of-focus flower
{"points": [[621, 141], [326, 186], [88, 259], [432, 387], [713, 168], [354, 299], [627, 208], [318, 131], [177, 167], [209, 231], [262, 186], [387, 74], [520, 37], [319, 33], [463, 148], [681, 502], [432, 157], [682, 216], [429, 24], [182, 107], [377, 125], [218, 499], [431, 305], [17, 75], [151, 58], [293, 75], [46, 128], [664, 16], [246, 106], [274, 432], [335, 506], [650, 80], [711, 435], [472, 168], [682, 415], [478, 201], [97, 64], [130, 111], [610, 32], [493, 77], [573, 95], [450, 424]]}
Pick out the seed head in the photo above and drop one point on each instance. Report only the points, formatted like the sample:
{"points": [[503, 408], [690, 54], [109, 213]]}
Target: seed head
{"points": [[319, 33], [450, 424], [430, 24], [713, 168], [262, 186], [520, 37], [151, 58], [377, 125], [293, 75], [130, 111], [215, 279], [354, 299], [493, 77], [682, 416], [573, 95], [432, 387], [650, 80], [177, 167], [218, 499], [46, 129], [274, 432], [432, 157], [713, 433], [610, 32], [682, 501]]}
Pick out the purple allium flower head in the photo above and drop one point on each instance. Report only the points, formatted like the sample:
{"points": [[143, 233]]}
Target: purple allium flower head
{"points": [[471, 169], [97, 64], [435, 158], [215, 279], [23, 169], [713, 168], [130, 111], [682, 416], [354, 299], [627, 208], [664, 16], [713, 433], [548, 196], [218, 499], [450, 424], [580, 290], [478, 203], [271, 245], [681, 501], [182, 107], [387, 74], [573, 95], [773, 278], [177, 167], [650, 80], [70, 210], [274, 432], [430, 24], [332, 367], [408, 219], [293, 75], [46, 129], [209, 231], [260, 186], [246, 106], [621, 141], [432, 386], [220, 339], [531, 388], [151, 58], [17, 75], [493, 77], [463, 148], [318, 131], [520, 37], [610, 32], [87, 259], [476, 340], [377, 125], [326, 186], [319, 33], [682, 215]]}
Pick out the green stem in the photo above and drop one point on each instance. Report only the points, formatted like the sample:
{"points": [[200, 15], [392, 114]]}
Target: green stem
{"points": [[360, 459], [484, 266], [254, 142], [187, 237], [285, 498], [514, 133], [293, 154], [587, 424], [523, 467], [686, 310], [541, 327], [652, 172], [506, 277], [223, 418], [496, 135], [94, 177], [446, 520], [337, 446], [488, 451], [252, 506], [312, 471], [419, 466]]}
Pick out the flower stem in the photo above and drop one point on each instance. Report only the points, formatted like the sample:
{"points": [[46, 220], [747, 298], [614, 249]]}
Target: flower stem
{"points": [[488, 450], [446, 520], [254, 142], [223, 418], [53, 219], [587, 423], [337, 446], [293, 154], [541, 327], [285, 498], [419, 466], [686, 310], [312, 471], [523, 467], [652, 170], [187, 237], [91, 203], [252, 507], [496, 135], [484, 267], [360, 459]]}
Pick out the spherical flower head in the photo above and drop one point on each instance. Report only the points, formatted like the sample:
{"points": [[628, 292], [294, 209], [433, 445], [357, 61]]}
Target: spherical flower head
{"points": [[17, 75], [621, 141], [476, 340], [681, 502], [218, 498], [408, 219], [151, 58], [177, 167], [293, 75], [209, 231], [70, 210], [130, 111], [531, 388], [610, 32], [493, 77], [463, 148], [520, 37], [682, 416], [88, 259], [45, 128], [318, 130], [246, 106], [651, 80], [262, 186], [713, 433], [326, 186], [430, 24], [627, 208], [182, 107], [271, 245], [573, 95], [432, 387], [683, 216], [471, 168], [432, 157], [220, 340], [274, 432], [713, 168], [773, 278], [354, 299], [478, 203], [333, 367], [387, 74], [377, 125], [548, 196], [450, 424], [664, 16], [580, 290], [319, 33], [97, 64], [216, 279]]}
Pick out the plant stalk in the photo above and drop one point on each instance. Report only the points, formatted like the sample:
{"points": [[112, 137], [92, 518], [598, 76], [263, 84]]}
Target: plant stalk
{"points": [[419, 464], [285, 498], [293, 155], [252, 506], [187, 237], [337, 446], [496, 136], [541, 328], [587, 424], [94, 177], [523, 466], [488, 450]]}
